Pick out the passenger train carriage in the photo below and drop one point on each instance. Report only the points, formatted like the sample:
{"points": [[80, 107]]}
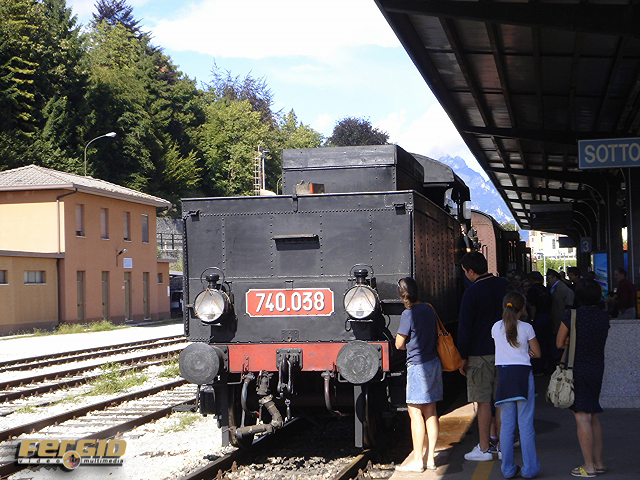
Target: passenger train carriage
{"points": [[291, 300]]}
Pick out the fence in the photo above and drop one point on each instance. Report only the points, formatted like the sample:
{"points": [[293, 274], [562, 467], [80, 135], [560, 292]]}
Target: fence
{"points": [[169, 241]]}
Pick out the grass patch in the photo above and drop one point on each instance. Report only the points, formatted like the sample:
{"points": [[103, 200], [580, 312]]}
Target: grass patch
{"points": [[66, 399], [66, 328], [184, 420], [112, 380], [100, 326], [26, 409], [172, 369]]}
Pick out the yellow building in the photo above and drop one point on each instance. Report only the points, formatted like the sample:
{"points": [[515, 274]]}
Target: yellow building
{"points": [[77, 249]]}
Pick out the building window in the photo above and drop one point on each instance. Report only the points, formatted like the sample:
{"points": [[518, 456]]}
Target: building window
{"points": [[31, 276], [126, 226], [159, 277], [3, 277], [79, 220], [145, 228], [104, 223]]}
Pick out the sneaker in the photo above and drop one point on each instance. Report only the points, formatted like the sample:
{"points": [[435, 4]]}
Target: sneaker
{"points": [[494, 448], [516, 443], [477, 455]]}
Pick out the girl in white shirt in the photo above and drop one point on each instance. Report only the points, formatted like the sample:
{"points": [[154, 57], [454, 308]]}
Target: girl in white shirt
{"points": [[516, 344]]}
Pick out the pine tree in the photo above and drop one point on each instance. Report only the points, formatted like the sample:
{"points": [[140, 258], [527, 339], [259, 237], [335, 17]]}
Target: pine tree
{"points": [[114, 12]]}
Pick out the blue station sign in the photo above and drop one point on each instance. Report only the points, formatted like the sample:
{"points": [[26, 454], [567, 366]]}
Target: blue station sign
{"points": [[609, 153]]}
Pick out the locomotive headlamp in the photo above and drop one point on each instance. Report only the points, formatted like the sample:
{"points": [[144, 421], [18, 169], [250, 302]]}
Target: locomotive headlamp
{"points": [[212, 303], [360, 301]]}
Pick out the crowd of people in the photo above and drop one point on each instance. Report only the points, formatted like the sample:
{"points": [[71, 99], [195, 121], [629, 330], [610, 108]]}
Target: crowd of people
{"points": [[510, 330]]}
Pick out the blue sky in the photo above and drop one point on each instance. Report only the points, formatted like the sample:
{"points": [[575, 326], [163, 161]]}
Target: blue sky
{"points": [[325, 60]]}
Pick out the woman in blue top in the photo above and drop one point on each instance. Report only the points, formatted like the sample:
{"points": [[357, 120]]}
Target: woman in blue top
{"points": [[417, 335]]}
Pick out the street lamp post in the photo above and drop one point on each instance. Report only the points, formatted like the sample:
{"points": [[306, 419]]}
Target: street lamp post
{"points": [[110, 134]]}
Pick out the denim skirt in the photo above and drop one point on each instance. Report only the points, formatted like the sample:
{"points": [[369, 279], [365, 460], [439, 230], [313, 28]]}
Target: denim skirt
{"points": [[424, 382]]}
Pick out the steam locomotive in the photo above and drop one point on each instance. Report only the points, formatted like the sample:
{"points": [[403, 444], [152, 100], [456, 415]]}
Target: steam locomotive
{"points": [[291, 300]]}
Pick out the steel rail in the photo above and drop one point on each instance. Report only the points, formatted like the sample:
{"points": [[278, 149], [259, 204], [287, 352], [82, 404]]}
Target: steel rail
{"points": [[356, 467], [88, 356], [68, 383], [78, 412], [226, 462], [40, 358], [11, 468], [74, 371]]}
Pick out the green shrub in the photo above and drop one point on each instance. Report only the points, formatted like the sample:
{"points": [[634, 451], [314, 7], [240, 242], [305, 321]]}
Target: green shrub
{"points": [[112, 380], [172, 369], [184, 419]]}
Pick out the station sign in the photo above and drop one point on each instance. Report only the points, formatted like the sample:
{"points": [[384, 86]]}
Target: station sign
{"points": [[609, 153]]}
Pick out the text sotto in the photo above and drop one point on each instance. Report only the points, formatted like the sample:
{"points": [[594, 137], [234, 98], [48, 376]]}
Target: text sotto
{"points": [[612, 153]]}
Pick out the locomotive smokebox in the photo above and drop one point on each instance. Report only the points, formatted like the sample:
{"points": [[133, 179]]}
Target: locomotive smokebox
{"points": [[200, 363], [358, 362]]}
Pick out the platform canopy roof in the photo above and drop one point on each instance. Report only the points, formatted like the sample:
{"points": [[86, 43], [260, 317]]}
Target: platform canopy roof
{"points": [[523, 82]]}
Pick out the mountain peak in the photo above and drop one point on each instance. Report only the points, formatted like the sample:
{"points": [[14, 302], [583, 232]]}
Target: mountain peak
{"points": [[484, 196]]}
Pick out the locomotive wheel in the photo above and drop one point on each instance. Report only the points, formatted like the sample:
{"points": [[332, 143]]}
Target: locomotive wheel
{"points": [[235, 419]]}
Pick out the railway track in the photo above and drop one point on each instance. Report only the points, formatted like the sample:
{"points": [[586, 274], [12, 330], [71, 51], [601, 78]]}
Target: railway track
{"points": [[60, 358], [52, 381], [284, 453], [101, 420]]}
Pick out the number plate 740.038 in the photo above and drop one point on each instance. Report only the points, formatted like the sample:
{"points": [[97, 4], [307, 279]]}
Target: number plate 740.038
{"points": [[296, 302]]}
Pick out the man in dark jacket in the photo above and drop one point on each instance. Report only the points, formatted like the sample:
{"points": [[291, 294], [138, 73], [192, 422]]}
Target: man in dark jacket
{"points": [[480, 308], [539, 301], [625, 294], [562, 297]]}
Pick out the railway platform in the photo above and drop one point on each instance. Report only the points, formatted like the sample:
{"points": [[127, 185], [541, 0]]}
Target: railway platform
{"points": [[20, 346], [556, 444]]}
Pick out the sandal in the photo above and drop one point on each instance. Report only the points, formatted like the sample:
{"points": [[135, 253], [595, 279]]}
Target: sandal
{"points": [[581, 472], [602, 470]]}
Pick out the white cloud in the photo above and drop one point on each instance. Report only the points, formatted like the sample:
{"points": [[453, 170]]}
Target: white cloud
{"points": [[433, 135], [258, 29], [81, 8], [323, 124]]}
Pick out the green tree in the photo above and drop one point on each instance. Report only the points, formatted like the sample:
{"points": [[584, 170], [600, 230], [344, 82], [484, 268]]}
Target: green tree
{"points": [[114, 12], [42, 82], [228, 141], [17, 66], [509, 226], [118, 100], [239, 118], [254, 90], [136, 91], [353, 131], [297, 135]]}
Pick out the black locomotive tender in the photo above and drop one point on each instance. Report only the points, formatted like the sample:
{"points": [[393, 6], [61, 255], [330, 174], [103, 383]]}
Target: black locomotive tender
{"points": [[292, 299]]}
